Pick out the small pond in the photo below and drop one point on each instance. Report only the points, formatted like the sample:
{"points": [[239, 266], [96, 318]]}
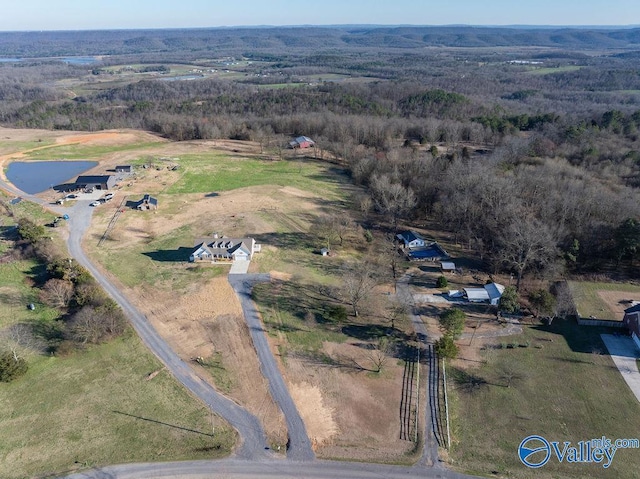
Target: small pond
{"points": [[36, 176]]}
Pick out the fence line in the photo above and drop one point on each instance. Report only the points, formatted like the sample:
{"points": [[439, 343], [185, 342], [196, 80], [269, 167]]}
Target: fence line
{"points": [[610, 323]]}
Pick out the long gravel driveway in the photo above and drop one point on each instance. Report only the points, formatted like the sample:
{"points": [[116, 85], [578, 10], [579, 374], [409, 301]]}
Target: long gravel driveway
{"points": [[254, 439], [299, 445], [430, 449]]}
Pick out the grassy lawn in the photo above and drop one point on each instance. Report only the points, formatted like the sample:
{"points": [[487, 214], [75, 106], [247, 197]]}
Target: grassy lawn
{"points": [[219, 172], [94, 407], [80, 151], [160, 261], [16, 293], [589, 303], [97, 408], [32, 211], [8, 147], [298, 313], [560, 388]]}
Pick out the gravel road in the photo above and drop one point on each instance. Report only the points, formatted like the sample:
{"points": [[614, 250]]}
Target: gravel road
{"points": [[299, 446]]}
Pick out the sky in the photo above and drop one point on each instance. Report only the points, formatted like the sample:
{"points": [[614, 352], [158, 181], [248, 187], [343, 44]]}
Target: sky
{"points": [[30, 15]]}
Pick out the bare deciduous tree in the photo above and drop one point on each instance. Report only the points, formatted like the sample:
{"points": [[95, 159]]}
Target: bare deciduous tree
{"points": [[19, 339], [379, 354], [525, 245], [391, 197], [57, 293], [359, 280]]}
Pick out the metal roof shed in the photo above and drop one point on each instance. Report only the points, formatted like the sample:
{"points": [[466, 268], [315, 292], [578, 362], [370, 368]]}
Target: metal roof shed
{"points": [[494, 290], [476, 295], [447, 266]]}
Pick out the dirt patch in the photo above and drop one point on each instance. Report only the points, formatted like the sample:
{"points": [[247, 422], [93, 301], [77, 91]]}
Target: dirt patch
{"points": [[207, 323], [360, 409], [317, 417], [618, 301], [279, 275]]}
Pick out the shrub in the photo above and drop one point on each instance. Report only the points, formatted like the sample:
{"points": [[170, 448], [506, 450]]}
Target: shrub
{"points": [[11, 366], [542, 302], [452, 321], [336, 314], [446, 348], [29, 231], [441, 282], [509, 301]]}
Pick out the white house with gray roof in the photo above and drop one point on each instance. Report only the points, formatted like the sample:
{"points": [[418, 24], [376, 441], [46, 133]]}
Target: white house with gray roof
{"points": [[215, 249]]}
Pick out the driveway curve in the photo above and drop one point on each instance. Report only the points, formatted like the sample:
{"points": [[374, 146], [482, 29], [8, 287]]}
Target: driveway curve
{"points": [[254, 440], [299, 445]]}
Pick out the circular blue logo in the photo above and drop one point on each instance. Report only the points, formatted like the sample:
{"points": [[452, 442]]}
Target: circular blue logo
{"points": [[534, 451]]}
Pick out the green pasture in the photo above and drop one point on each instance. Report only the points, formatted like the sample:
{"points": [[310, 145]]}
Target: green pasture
{"points": [[218, 172], [555, 381]]}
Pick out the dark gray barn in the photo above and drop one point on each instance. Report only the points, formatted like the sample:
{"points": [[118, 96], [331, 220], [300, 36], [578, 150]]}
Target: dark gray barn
{"points": [[98, 182]]}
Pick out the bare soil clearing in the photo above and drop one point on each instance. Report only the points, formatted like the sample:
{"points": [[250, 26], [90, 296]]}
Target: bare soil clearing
{"points": [[349, 412], [618, 301]]}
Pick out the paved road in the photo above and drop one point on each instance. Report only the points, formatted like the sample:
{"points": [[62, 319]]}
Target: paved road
{"points": [[299, 447], [430, 449], [235, 469], [624, 352]]}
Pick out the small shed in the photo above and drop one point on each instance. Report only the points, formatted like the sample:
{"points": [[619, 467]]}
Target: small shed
{"points": [[324, 252], [448, 267], [491, 293], [124, 169], [302, 142], [147, 202]]}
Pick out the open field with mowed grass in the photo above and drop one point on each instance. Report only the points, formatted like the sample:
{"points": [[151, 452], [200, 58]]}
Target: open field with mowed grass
{"points": [[603, 300], [97, 408], [94, 407], [562, 386], [222, 172]]}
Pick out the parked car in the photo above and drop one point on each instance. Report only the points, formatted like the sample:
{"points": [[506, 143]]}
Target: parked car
{"points": [[95, 203], [108, 196], [71, 196]]}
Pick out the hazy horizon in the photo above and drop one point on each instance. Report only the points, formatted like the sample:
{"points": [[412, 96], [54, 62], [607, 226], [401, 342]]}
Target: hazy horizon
{"points": [[74, 15]]}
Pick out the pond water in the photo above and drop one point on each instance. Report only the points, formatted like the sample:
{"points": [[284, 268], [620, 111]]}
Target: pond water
{"points": [[36, 176]]}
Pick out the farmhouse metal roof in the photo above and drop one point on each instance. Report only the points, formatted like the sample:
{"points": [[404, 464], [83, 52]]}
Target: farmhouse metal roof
{"points": [[477, 294], [433, 251], [447, 265], [494, 290]]}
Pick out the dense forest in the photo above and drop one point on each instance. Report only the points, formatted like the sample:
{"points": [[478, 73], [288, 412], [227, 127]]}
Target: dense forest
{"points": [[524, 143]]}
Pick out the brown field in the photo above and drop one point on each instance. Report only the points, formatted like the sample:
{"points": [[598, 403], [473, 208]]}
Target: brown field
{"points": [[618, 301]]}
